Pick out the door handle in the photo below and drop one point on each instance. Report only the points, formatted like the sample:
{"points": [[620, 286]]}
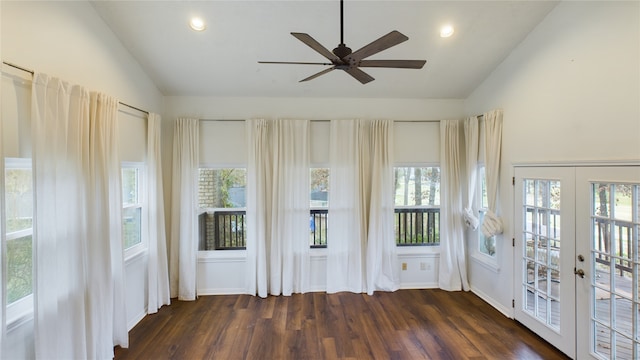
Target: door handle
{"points": [[579, 272]]}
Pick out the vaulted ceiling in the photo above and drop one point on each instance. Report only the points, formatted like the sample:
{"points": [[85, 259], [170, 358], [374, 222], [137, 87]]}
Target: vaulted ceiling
{"points": [[223, 59]]}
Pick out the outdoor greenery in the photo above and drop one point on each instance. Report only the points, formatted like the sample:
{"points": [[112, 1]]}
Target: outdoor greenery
{"points": [[132, 207], [19, 217], [217, 186], [19, 268], [417, 186], [131, 226]]}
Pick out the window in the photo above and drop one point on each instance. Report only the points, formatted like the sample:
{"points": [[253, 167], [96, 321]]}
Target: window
{"points": [[486, 245], [19, 237], [132, 205], [417, 205], [319, 198], [222, 198]]}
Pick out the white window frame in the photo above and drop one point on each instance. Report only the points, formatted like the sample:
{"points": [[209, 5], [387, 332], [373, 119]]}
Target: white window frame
{"points": [[488, 260], [202, 210], [418, 249], [142, 246], [311, 208], [21, 310]]}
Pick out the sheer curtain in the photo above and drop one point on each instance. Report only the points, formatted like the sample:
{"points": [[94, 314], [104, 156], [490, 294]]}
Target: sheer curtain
{"points": [[492, 224], [78, 264], [346, 252], [3, 247], [471, 138], [382, 269], [105, 228], [158, 270], [184, 218], [361, 254], [453, 268], [277, 207]]}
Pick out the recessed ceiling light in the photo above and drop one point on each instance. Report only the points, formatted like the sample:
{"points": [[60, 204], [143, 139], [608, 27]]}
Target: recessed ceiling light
{"points": [[446, 31], [197, 24]]}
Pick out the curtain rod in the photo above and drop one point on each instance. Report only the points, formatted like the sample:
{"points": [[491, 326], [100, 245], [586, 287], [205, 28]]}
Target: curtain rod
{"points": [[32, 73], [401, 121], [146, 112]]}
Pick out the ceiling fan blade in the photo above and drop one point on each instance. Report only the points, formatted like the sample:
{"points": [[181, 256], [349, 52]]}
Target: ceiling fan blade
{"points": [[391, 39], [312, 43], [293, 62], [401, 64], [318, 74], [360, 75]]}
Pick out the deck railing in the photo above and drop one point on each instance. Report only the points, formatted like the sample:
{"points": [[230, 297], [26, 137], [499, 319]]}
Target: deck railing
{"points": [[417, 226], [226, 229], [318, 224], [622, 235]]}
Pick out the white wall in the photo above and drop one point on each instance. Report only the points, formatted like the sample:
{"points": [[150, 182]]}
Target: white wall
{"points": [[67, 39], [570, 93], [295, 108], [222, 272]]}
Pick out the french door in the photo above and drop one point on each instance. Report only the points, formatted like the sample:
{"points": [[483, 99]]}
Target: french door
{"points": [[608, 308], [544, 253], [577, 254]]}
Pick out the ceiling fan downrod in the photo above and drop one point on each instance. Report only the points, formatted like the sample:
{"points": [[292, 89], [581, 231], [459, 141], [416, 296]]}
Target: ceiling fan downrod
{"points": [[342, 50]]}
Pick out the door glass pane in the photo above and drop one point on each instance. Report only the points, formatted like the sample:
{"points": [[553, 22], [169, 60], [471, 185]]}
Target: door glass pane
{"points": [[541, 231], [614, 231], [622, 203], [603, 339], [529, 192]]}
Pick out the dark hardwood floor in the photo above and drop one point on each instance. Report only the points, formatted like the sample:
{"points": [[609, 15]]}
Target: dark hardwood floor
{"points": [[406, 324]]}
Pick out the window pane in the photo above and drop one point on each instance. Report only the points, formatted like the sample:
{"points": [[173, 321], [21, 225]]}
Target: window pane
{"points": [[19, 268], [222, 188], [486, 245], [417, 186], [319, 187], [19, 199], [484, 202], [319, 202], [130, 187], [131, 226]]}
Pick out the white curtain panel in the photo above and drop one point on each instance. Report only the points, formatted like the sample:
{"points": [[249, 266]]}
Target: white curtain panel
{"points": [[361, 253], [471, 138], [382, 270], [278, 207], [184, 217], [158, 268], [453, 268], [345, 233], [105, 227], [78, 264], [492, 224], [259, 178], [3, 246]]}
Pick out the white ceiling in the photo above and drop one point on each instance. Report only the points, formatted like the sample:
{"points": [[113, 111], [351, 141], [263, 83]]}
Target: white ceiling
{"points": [[223, 60]]}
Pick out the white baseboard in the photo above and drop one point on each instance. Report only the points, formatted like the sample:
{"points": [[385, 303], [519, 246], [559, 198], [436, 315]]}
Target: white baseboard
{"points": [[425, 285], [136, 319], [221, 291], [506, 311]]}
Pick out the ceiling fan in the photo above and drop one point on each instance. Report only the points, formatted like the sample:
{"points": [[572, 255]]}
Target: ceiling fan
{"points": [[342, 58]]}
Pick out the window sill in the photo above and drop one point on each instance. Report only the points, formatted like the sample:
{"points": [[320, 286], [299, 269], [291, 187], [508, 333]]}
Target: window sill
{"points": [[486, 262], [223, 254], [418, 250], [19, 313], [134, 252]]}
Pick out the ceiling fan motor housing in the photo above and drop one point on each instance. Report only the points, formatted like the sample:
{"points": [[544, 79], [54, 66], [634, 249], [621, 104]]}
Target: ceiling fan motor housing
{"points": [[341, 51]]}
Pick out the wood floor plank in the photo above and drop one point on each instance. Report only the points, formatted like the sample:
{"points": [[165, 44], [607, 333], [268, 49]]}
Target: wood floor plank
{"points": [[406, 324]]}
